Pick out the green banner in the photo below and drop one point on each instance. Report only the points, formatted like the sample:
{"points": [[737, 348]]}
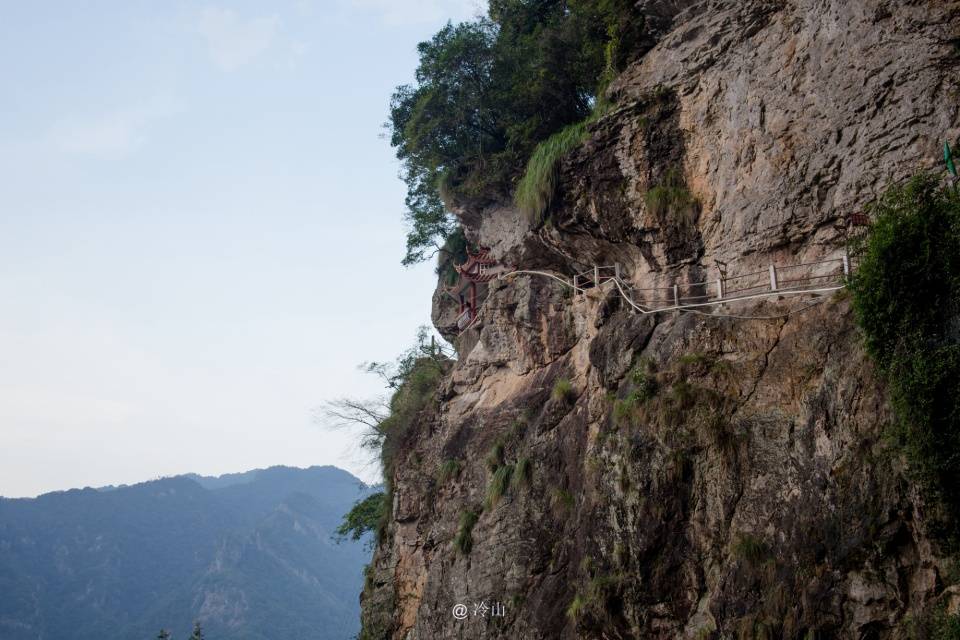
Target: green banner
{"points": [[948, 158]]}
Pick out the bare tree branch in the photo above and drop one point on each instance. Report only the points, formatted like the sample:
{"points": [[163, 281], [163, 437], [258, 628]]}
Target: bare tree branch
{"points": [[347, 412]]}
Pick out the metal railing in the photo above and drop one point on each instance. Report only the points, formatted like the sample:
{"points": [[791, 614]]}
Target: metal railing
{"points": [[815, 277], [776, 280]]}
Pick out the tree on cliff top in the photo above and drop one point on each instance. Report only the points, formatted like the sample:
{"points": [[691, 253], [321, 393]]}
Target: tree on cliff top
{"points": [[487, 91]]}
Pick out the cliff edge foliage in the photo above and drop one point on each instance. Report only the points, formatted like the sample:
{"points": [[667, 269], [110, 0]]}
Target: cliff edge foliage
{"points": [[385, 423], [907, 300], [487, 91]]}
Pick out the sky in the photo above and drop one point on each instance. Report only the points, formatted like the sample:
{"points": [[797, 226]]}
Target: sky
{"points": [[200, 232]]}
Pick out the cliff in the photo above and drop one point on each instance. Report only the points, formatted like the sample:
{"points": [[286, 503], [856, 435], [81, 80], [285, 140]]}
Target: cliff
{"points": [[711, 473]]}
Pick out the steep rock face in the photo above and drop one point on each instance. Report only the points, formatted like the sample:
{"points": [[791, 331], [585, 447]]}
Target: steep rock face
{"points": [[716, 474]]}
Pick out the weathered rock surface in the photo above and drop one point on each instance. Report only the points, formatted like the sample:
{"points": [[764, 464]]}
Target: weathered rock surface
{"points": [[708, 476]]}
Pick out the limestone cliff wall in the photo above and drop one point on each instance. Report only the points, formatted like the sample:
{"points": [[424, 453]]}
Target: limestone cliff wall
{"points": [[707, 475]]}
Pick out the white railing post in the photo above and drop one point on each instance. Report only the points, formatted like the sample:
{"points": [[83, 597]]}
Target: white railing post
{"points": [[576, 289], [596, 276], [720, 289], [773, 278], [846, 264], [676, 295], [616, 270]]}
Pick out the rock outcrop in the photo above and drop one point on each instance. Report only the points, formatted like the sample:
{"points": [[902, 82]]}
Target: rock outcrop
{"points": [[687, 475]]}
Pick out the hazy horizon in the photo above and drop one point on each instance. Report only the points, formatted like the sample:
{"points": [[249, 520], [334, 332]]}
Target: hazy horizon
{"points": [[201, 233], [217, 476]]}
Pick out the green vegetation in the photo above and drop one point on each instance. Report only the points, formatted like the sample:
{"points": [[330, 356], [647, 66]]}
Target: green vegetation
{"points": [[366, 516], [495, 456], [563, 498], [672, 198], [696, 359], [453, 252], [596, 597], [464, 538], [625, 410], [563, 391], [906, 295], [523, 473], [644, 379], [197, 632], [703, 363], [750, 549], [409, 399], [685, 413], [450, 468], [499, 484], [682, 393], [945, 627], [936, 625], [486, 92], [386, 424], [539, 182], [519, 427], [577, 607], [645, 385]]}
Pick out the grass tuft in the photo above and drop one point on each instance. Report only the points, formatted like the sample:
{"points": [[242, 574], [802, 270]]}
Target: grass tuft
{"points": [[564, 498], [624, 410], [563, 391], [499, 484], [672, 198], [449, 469], [750, 549], [523, 473], [464, 538], [577, 607], [495, 457], [598, 595], [538, 185], [644, 378]]}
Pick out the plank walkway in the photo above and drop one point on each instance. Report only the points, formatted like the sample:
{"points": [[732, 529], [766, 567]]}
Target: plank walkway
{"points": [[806, 278], [821, 276]]}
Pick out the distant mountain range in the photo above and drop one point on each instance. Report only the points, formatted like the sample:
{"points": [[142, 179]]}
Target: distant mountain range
{"points": [[249, 555]]}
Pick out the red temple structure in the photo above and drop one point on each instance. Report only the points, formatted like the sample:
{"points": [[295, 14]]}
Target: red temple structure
{"points": [[858, 219], [479, 269]]}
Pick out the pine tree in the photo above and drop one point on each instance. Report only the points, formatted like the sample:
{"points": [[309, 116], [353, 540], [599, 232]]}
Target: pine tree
{"points": [[197, 632], [163, 635]]}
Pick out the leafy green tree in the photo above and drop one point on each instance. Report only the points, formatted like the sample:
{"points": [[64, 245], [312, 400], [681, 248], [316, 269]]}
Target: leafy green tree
{"points": [[366, 516], [441, 126], [428, 221], [197, 632], [487, 91], [163, 635], [448, 118]]}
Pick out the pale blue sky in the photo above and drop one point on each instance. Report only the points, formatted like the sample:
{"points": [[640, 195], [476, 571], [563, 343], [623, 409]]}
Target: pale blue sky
{"points": [[200, 231]]}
